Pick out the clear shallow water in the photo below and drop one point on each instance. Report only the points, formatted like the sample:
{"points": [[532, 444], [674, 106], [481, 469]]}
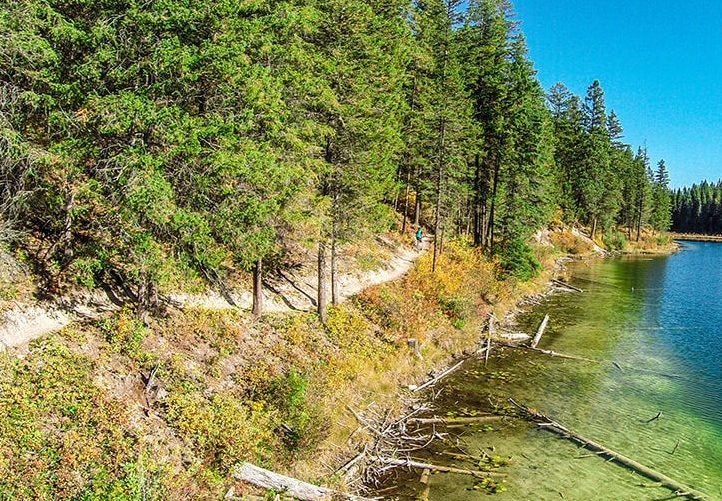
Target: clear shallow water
{"points": [[661, 320]]}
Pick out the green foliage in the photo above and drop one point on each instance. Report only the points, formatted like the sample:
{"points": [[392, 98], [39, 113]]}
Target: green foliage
{"points": [[615, 240], [61, 436], [519, 261], [125, 333], [223, 428]]}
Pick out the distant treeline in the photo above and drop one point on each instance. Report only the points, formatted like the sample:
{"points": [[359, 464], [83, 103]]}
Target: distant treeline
{"points": [[147, 144], [698, 209]]}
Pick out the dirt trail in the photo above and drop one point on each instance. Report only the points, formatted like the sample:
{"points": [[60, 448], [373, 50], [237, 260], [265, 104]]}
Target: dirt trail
{"points": [[289, 292]]}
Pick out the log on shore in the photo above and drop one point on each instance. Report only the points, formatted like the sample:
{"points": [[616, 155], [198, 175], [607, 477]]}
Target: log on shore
{"points": [[549, 424], [266, 479], [488, 339]]}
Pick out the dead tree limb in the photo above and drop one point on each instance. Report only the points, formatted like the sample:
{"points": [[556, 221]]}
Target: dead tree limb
{"points": [[456, 420], [438, 378], [566, 285], [591, 360], [488, 339]]}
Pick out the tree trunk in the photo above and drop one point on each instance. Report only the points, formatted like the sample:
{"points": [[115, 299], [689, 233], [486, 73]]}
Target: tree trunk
{"points": [[439, 182], [258, 288], [334, 274], [417, 204], [322, 293], [266, 479], [490, 227], [406, 201], [478, 239], [147, 298], [594, 227]]}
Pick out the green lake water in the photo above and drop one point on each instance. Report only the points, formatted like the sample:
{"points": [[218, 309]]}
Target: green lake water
{"points": [[661, 320]]}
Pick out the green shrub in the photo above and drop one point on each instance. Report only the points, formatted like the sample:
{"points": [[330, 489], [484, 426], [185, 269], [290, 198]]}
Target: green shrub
{"points": [[615, 241], [224, 429], [518, 260], [125, 333]]}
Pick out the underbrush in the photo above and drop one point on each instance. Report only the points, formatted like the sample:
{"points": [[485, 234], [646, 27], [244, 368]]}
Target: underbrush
{"points": [[568, 243], [119, 410]]}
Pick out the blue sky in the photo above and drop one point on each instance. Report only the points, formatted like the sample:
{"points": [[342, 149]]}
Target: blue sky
{"points": [[659, 61]]}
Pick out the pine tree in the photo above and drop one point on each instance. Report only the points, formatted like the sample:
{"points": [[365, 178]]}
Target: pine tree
{"points": [[446, 111], [528, 195], [569, 141], [661, 204], [485, 42], [596, 167]]}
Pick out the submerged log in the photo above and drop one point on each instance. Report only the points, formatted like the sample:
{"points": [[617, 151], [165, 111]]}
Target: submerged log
{"points": [[540, 331], [549, 424], [411, 463], [266, 479], [591, 360], [659, 415], [564, 284], [424, 481], [456, 420]]}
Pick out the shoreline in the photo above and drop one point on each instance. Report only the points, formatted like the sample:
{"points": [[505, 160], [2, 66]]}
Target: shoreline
{"points": [[696, 237], [530, 300], [188, 382]]}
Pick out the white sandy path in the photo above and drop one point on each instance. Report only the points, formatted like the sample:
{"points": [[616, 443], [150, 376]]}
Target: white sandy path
{"points": [[26, 322]]}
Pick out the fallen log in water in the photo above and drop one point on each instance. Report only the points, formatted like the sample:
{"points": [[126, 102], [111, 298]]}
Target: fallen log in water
{"points": [[456, 420], [566, 285], [438, 378], [411, 463], [540, 331], [424, 481], [266, 479], [549, 424], [556, 354]]}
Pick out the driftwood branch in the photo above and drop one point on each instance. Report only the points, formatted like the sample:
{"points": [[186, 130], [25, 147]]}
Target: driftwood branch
{"points": [[456, 420], [492, 318], [298, 489], [424, 481], [659, 415], [549, 424], [591, 360]]}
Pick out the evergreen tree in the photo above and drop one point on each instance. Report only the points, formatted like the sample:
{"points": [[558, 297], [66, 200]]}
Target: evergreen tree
{"points": [[661, 205], [528, 193]]}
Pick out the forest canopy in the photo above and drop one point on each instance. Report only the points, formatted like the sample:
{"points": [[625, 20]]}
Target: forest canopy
{"points": [[143, 144]]}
